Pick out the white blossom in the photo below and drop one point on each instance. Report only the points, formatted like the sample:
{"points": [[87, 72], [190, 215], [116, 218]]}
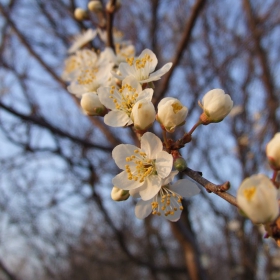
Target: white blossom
{"points": [[82, 39], [216, 105], [171, 113], [142, 68], [167, 202], [144, 168], [121, 101], [273, 151], [257, 198]]}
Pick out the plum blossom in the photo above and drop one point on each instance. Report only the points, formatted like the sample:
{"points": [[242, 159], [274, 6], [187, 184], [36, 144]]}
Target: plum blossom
{"points": [[171, 113], [167, 202], [143, 168], [257, 197], [82, 39], [273, 151], [121, 101], [142, 68], [216, 106]]}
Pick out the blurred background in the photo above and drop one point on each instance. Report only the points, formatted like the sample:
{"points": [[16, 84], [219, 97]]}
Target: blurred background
{"points": [[57, 219]]}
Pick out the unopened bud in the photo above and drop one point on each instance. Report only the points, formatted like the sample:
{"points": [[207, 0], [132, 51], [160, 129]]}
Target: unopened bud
{"points": [[143, 114], [216, 106], [110, 8], [80, 14], [171, 113], [95, 6], [180, 164], [273, 152], [119, 195], [91, 104]]}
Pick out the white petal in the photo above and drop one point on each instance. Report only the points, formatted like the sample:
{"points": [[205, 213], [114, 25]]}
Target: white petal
{"points": [[157, 75], [185, 188], [151, 145], [117, 119], [130, 80], [135, 192], [122, 182], [164, 163], [127, 70], [149, 66], [170, 177], [143, 209], [121, 152], [151, 187], [104, 97], [146, 94], [172, 218]]}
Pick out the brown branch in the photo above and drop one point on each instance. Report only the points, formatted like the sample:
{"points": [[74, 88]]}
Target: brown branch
{"points": [[197, 8], [219, 190], [109, 26], [42, 123], [6, 271]]}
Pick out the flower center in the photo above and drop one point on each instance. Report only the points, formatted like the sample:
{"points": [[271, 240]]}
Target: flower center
{"points": [[167, 201], [124, 98], [176, 107], [139, 62], [87, 76], [249, 193], [142, 166]]}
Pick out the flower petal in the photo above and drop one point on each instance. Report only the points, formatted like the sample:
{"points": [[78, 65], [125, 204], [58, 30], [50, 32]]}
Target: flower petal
{"points": [[164, 163], [146, 94], [122, 182], [104, 97], [157, 75], [143, 209], [117, 119], [170, 177], [150, 187], [130, 80], [135, 192], [121, 152], [185, 188], [173, 218], [151, 145]]}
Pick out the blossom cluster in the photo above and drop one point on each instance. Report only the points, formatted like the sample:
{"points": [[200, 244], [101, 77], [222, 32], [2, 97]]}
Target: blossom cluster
{"points": [[117, 85]]}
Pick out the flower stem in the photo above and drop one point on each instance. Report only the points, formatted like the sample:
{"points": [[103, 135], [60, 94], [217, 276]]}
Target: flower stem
{"points": [[274, 176], [194, 127]]}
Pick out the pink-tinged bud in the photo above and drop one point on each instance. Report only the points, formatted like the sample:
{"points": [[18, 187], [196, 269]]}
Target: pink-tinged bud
{"points": [[257, 198], [216, 106], [273, 152], [91, 104], [171, 113], [143, 114]]}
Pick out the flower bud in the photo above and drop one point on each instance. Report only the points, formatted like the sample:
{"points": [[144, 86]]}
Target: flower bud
{"points": [[216, 106], [119, 195], [111, 8], [95, 6], [257, 198], [171, 113], [80, 14], [91, 104], [143, 114], [273, 152], [180, 164]]}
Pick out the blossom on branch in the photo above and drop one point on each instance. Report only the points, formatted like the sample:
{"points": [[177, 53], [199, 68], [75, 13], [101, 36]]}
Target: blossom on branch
{"points": [[119, 194], [121, 101], [144, 168], [216, 106], [142, 68], [91, 104], [82, 39], [167, 202], [257, 198], [171, 113], [273, 151]]}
